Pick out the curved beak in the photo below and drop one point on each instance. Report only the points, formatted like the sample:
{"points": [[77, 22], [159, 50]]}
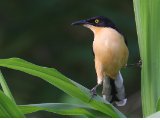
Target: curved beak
{"points": [[81, 22]]}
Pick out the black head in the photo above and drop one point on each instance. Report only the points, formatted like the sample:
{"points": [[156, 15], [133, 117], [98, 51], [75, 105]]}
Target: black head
{"points": [[98, 21]]}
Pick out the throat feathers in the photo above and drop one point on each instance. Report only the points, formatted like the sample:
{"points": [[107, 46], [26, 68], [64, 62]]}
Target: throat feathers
{"points": [[110, 55]]}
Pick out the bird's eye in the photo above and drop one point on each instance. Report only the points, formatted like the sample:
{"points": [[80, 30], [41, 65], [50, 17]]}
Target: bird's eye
{"points": [[96, 21]]}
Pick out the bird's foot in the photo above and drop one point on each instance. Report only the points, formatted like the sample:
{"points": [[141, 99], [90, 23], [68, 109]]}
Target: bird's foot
{"points": [[139, 64], [93, 92]]}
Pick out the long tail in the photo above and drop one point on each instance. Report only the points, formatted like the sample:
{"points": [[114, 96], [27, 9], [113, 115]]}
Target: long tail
{"points": [[113, 90]]}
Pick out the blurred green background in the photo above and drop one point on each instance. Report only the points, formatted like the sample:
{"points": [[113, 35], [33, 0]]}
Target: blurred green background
{"points": [[39, 31]]}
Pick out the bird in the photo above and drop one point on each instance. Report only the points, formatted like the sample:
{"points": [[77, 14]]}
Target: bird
{"points": [[110, 55]]}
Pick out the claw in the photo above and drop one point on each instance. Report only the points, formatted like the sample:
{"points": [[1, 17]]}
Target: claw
{"points": [[93, 92], [138, 64]]}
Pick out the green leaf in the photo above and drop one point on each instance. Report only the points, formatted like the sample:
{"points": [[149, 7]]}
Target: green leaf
{"points": [[8, 109], [158, 105], [155, 115], [62, 109], [57, 79], [148, 30], [5, 87]]}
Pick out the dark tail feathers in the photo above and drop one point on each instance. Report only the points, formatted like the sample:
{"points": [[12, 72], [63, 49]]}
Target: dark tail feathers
{"points": [[113, 90]]}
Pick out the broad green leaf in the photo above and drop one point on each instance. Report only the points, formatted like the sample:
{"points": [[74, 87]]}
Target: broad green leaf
{"points": [[62, 109], [57, 79], [158, 105], [5, 87], [8, 109], [148, 30], [155, 115]]}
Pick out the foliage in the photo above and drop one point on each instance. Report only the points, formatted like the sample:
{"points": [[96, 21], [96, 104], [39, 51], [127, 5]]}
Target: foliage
{"points": [[147, 21], [62, 109], [5, 87], [70, 87], [40, 31], [8, 109]]}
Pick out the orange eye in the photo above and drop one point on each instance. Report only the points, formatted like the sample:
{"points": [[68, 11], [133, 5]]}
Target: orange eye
{"points": [[96, 21]]}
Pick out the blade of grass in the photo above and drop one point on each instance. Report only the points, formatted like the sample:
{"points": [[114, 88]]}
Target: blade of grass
{"points": [[8, 109], [57, 79], [5, 87], [147, 21], [62, 109]]}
